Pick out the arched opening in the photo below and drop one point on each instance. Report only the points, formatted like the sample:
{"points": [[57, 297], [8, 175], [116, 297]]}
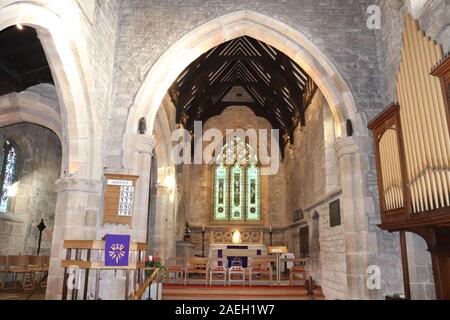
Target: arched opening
{"points": [[333, 95], [31, 165], [420, 267], [73, 121]]}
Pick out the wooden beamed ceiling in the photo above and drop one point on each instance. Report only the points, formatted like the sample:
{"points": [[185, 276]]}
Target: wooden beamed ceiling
{"points": [[23, 63], [280, 90]]}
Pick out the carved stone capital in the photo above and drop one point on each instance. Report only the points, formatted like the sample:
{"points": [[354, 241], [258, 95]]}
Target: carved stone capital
{"points": [[346, 146]]}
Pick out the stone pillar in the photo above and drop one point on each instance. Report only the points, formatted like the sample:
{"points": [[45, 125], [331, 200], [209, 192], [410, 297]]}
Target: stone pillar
{"points": [[162, 238], [143, 146], [76, 218], [357, 204]]}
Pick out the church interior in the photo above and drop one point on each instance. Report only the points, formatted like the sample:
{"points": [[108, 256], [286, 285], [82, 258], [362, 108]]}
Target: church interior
{"points": [[129, 168]]}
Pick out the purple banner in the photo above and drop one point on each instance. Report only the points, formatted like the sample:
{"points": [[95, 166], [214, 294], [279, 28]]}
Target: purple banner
{"points": [[117, 249]]}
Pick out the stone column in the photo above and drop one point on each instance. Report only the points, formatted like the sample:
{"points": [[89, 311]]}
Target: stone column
{"points": [[138, 162], [76, 215], [143, 146], [162, 238], [357, 204]]}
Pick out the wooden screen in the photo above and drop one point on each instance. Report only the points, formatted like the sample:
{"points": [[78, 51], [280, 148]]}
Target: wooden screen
{"points": [[424, 121]]}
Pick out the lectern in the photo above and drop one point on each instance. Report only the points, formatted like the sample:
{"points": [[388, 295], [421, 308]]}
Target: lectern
{"points": [[278, 251]]}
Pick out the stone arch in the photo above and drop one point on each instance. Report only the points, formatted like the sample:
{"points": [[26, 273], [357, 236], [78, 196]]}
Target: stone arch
{"points": [[261, 27], [60, 29], [67, 64], [17, 108], [358, 200]]}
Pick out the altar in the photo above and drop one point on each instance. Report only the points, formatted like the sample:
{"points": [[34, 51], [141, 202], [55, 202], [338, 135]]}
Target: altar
{"points": [[237, 255]]}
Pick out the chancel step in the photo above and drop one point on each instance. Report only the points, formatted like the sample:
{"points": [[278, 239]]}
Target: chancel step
{"points": [[190, 292]]}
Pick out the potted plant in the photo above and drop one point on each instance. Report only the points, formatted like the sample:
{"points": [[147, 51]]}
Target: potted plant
{"points": [[154, 262], [156, 286]]}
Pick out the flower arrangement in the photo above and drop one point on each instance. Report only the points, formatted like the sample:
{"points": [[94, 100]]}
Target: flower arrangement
{"points": [[154, 262]]}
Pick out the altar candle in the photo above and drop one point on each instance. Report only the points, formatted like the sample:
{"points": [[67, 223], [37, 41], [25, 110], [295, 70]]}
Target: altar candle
{"points": [[203, 228]]}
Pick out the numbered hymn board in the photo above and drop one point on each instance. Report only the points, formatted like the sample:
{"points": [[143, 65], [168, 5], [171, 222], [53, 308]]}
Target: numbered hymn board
{"points": [[119, 198]]}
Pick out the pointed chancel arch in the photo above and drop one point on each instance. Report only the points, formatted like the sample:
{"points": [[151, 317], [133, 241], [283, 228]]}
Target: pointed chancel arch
{"points": [[353, 151], [263, 28]]}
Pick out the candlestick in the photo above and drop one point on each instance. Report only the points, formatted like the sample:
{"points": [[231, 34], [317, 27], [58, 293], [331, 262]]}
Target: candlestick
{"points": [[203, 241]]}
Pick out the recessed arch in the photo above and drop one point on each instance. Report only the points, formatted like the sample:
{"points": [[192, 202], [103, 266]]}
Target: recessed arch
{"points": [[18, 108], [263, 28]]}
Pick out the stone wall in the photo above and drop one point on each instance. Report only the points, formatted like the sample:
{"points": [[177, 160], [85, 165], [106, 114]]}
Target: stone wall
{"points": [[39, 165], [148, 28], [433, 19], [312, 183]]}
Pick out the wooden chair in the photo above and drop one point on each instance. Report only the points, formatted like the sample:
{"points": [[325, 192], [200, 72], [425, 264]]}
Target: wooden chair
{"points": [[36, 267], [219, 267], [45, 267], [3, 270], [299, 268], [176, 266], [260, 267], [197, 266], [19, 265], [236, 270]]}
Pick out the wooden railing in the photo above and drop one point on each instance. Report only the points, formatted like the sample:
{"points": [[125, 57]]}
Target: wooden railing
{"points": [[146, 285], [87, 255]]}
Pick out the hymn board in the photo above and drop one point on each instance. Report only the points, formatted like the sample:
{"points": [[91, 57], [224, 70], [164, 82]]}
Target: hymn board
{"points": [[119, 198]]}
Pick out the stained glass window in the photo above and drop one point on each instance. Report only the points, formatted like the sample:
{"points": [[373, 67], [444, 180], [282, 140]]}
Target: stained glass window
{"points": [[8, 162], [253, 186], [237, 194], [221, 193], [237, 183]]}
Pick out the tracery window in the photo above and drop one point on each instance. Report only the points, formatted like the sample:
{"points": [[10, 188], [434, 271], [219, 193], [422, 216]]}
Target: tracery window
{"points": [[237, 183], [8, 173]]}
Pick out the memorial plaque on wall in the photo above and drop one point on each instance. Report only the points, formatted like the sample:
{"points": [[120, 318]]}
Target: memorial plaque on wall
{"points": [[119, 198]]}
